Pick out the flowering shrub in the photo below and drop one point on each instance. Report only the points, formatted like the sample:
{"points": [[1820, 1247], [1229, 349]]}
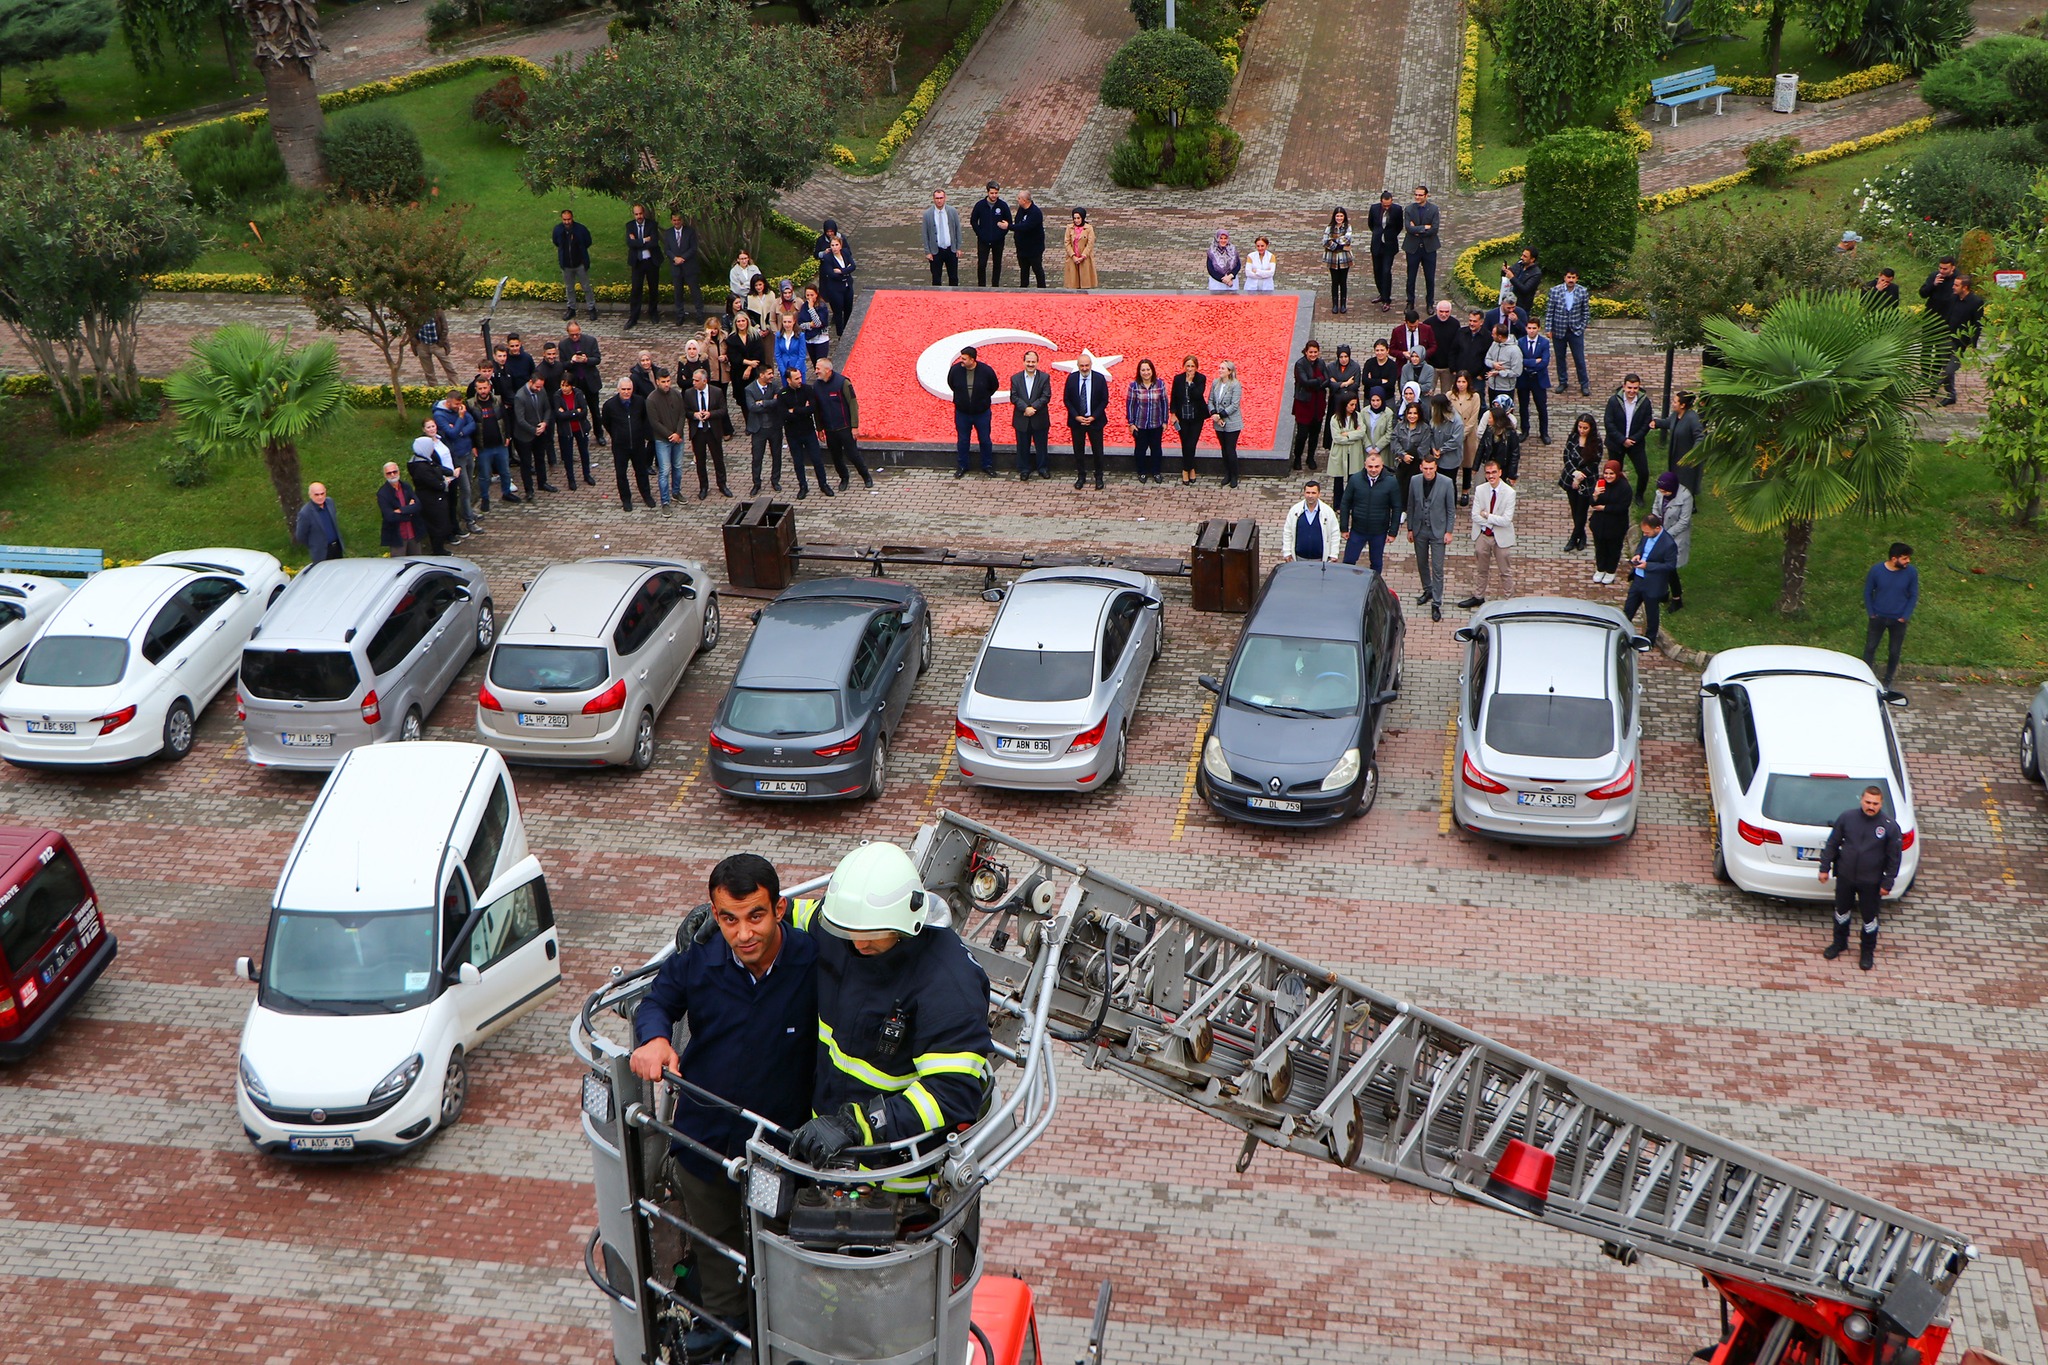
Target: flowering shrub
{"points": [[1882, 199]]}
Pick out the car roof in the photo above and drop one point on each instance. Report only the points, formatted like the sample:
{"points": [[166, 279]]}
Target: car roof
{"points": [[573, 602], [376, 837], [217, 559], [1600, 613], [1751, 659], [16, 840], [1319, 601], [873, 589], [1090, 573], [115, 603], [1809, 723], [805, 641], [1571, 658], [1061, 614], [328, 600]]}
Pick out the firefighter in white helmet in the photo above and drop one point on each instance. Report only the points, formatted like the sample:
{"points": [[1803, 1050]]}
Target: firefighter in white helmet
{"points": [[903, 1037]]}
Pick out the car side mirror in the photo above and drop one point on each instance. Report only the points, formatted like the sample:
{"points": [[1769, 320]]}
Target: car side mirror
{"points": [[246, 968], [242, 589], [467, 974], [1895, 699], [1154, 604], [1210, 684], [1639, 643], [755, 616], [689, 593], [994, 594], [1464, 635], [1392, 694], [1710, 689], [463, 594]]}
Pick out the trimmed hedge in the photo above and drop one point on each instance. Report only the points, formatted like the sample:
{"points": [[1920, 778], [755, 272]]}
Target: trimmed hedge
{"points": [[374, 155], [1579, 208]]}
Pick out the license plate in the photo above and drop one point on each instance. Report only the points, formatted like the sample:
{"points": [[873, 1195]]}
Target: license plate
{"points": [[783, 788], [1808, 855], [1268, 803], [1555, 800], [305, 739], [1004, 744], [335, 1142], [53, 727], [534, 722], [59, 960]]}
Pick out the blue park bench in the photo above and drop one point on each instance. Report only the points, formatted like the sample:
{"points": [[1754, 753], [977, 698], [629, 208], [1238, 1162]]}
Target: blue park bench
{"points": [[50, 559], [1687, 87]]}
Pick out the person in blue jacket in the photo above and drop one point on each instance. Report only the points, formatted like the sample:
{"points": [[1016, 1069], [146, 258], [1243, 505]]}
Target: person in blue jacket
{"points": [[1891, 591], [749, 991]]}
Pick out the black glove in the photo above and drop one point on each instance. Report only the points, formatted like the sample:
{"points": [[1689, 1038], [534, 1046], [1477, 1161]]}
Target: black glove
{"points": [[699, 926], [825, 1136]]}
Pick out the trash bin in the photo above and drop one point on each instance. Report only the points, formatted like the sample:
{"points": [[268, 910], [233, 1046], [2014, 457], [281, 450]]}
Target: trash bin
{"points": [[1224, 567], [758, 537], [1785, 93]]}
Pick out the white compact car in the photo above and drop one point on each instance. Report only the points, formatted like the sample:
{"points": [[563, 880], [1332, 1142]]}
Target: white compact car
{"points": [[123, 667], [25, 603], [395, 947], [1793, 735]]}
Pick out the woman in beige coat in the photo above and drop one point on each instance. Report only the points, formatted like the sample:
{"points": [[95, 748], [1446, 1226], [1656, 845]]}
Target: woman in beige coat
{"points": [[1081, 253], [1470, 407]]}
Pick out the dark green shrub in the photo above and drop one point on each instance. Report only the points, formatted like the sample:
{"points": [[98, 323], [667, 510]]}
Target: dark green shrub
{"points": [[1972, 84], [1968, 180], [43, 95], [503, 106], [530, 11], [1914, 33], [1131, 164], [1204, 154], [374, 155], [445, 18], [228, 163], [1771, 157], [1206, 21], [185, 465], [1160, 73], [1579, 202]]}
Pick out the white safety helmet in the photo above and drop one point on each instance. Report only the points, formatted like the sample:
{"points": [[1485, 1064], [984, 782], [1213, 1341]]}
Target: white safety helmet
{"points": [[874, 890]]}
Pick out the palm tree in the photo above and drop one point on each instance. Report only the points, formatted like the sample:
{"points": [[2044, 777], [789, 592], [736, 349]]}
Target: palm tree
{"points": [[1812, 415], [246, 392], [286, 35]]}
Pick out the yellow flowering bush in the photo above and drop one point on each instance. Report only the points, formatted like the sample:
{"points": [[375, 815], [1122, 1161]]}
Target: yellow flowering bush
{"points": [[1468, 99]]}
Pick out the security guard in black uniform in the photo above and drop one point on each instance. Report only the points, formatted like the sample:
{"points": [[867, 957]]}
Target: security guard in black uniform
{"points": [[1862, 854], [903, 1037]]}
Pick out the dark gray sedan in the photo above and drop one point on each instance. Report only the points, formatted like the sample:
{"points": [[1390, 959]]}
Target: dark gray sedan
{"points": [[820, 691]]}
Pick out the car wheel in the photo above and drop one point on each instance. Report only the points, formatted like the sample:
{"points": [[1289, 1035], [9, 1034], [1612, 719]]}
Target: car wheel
{"points": [[924, 645], [179, 730], [1158, 641], [454, 1089], [643, 743], [1699, 724], [2030, 756], [1368, 788], [486, 627], [1720, 859], [412, 728], [878, 771], [711, 624], [1116, 769]]}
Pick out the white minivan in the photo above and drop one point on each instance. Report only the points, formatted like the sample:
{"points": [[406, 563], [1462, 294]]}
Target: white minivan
{"points": [[409, 925]]}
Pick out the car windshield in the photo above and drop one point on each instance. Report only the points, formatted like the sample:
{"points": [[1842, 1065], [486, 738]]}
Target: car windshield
{"points": [[761, 711], [550, 668], [1282, 671], [1790, 800], [1544, 725], [74, 661], [1035, 674], [32, 914], [299, 674], [325, 963]]}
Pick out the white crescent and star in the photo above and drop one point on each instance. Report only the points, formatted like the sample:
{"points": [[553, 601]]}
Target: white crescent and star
{"points": [[937, 358]]}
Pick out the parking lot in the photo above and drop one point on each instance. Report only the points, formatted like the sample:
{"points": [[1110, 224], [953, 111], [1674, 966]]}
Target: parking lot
{"points": [[141, 1226]]}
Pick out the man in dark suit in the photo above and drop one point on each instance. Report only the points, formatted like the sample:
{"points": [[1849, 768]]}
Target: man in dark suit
{"points": [[704, 407], [1525, 277], [974, 389], [1513, 319], [1650, 574], [1628, 430], [1383, 220], [679, 244], [316, 528], [1443, 327], [644, 263], [1469, 354], [763, 398], [990, 220], [1413, 338], [1086, 398], [1534, 381], [1031, 416], [625, 417], [1027, 234]]}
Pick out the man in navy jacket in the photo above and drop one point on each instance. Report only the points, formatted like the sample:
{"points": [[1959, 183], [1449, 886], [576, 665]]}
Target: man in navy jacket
{"points": [[1891, 591], [572, 254], [1534, 381], [750, 993], [1650, 574], [990, 219]]}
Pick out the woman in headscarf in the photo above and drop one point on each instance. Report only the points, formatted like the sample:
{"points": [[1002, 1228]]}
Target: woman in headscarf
{"points": [[1609, 520], [1226, 409], [1673, 502], [1080, 256], [1225, 265], [1379, 426]]}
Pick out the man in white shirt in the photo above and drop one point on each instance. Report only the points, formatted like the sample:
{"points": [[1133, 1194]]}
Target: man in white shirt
{"points": [[1311, 528], [1493, 535], [942, 239]]}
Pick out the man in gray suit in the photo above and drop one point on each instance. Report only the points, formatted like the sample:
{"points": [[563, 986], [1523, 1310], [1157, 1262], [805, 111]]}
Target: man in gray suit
{"points": [[1031, 417], [942, 239], [1432, 515]]}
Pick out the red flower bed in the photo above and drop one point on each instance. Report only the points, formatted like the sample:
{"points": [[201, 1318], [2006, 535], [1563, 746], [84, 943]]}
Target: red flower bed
{"points": [[1254, 330]]}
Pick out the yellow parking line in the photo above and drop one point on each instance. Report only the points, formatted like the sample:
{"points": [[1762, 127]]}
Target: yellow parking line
{"points": [[1443, 819], [1997, 833], [931, 793], [690, 777], [1187, 786]]}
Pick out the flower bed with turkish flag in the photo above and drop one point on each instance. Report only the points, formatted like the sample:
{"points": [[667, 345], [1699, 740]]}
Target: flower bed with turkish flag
{"points": [[905, 340]]}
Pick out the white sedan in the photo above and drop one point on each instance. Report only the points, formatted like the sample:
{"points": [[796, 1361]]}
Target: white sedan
{"points": [[122, 668], [25, 603], [1793, 735]]}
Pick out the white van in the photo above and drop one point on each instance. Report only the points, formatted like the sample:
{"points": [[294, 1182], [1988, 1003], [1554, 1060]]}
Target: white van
{"points": [[409, 925]]}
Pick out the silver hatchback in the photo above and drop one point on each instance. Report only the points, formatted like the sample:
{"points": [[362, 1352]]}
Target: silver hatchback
{"points": [[591, 656], [1049, 701], [1549, 722], [355, 652]]}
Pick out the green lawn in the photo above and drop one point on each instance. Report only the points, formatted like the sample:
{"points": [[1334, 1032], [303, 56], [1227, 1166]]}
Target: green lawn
{"points": [[104, 90], [470, 163], [1969, 616], [105, 491]]}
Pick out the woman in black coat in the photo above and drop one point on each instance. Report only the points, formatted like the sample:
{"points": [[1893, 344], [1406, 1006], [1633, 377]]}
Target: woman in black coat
{"points": [[1612, 499], [1500, 442], [1583, 456], [1189, 408]]}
